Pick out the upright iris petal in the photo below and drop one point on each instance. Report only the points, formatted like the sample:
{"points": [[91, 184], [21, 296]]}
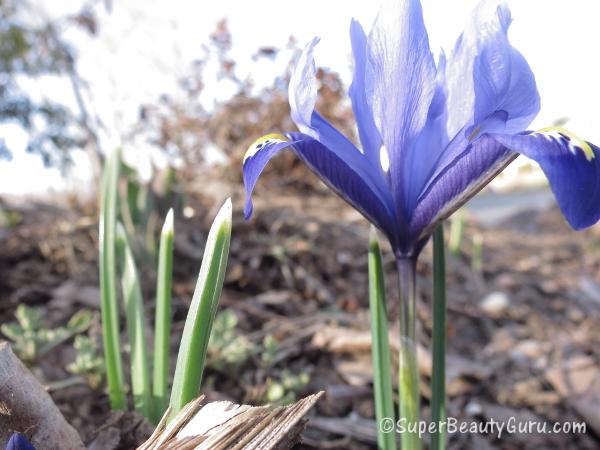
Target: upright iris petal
{"points": [[368, 132], [303, 91], [399, 85], [331, 168], [446, 130], [485, 74]]}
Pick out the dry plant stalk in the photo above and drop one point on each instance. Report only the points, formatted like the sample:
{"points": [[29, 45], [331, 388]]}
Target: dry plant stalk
{"points": [[25, 406], [227, 426]]}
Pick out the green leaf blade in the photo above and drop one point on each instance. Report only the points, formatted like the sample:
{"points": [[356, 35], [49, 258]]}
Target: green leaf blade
{"points": [[108, 282], [136, 329], [162, 322], [194, 342], [380, 347]]}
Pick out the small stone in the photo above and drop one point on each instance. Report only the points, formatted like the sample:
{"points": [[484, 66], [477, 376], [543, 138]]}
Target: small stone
{"points": [[575, 315], [474, 408], [495, 304], [528, 349]]}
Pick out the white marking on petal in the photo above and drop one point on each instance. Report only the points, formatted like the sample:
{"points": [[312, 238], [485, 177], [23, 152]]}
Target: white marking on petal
{"points": [[574, 143], [384, 158]]}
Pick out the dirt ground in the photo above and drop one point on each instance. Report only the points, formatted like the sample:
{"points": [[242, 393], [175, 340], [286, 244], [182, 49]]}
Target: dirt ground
{"points": [[523, 330]]}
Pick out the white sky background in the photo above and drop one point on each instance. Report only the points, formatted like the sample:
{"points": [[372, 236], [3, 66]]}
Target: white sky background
{"points": [[145, 46]]}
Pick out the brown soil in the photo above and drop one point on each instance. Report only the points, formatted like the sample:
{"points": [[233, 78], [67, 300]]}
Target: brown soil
{"points": [[297, 271]]}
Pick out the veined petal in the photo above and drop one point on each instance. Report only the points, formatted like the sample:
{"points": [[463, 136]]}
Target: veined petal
{"points": [[501, 78], [367, 131], [302, 97], [430, 143], [345, 150], [572, 167], [302, 90], [460, 180], [345, 179], [256, 158], [399, 83]]}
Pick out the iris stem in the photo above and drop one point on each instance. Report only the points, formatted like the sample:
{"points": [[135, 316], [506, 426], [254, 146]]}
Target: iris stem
{"points": [[408, 387], [382, 377], [438, 374]]}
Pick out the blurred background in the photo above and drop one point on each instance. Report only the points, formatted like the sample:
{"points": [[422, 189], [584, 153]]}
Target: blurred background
{"points": [[183, 88]]}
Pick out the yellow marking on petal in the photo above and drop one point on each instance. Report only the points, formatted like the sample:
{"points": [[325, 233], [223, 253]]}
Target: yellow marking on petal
{"points": [[253, 148], [575, 140]]}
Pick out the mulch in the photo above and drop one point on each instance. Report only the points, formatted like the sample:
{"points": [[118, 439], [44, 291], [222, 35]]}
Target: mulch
{"points": [[524, 334]]}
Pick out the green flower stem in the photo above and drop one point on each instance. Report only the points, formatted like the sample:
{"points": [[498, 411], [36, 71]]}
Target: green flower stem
{"points": [[408, 385], [108, 283], [162, 322], [382, 377], [438, 375]]}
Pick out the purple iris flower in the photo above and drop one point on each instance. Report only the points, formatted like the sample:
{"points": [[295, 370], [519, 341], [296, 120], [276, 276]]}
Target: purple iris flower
{"points": [[18, 441], [432, 134]]}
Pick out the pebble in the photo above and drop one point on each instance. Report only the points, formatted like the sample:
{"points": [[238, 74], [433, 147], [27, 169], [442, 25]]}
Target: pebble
{"points": [[495, 304], [474, 408], [528, 349]]}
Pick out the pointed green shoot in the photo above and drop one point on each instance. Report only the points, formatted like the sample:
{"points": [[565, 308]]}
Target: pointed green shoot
{"points": [[162, 321], [108, 282], [438, 376], [380, 348], [194, 342], [136, 329], [457, 231]]}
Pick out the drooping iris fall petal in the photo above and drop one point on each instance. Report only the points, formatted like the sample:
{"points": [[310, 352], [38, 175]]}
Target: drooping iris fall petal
{"points": [[340, 176], [572, 167]]}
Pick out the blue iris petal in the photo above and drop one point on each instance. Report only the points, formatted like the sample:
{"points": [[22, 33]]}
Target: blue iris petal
{"points": [[572, 167], [503, 81], [400, 82], [468, 173], [346, 180], [486, 74], [254, 163], [500, 96], [303, 96], [429, 145], [447, 130], [18, 441], [303, 90], [367, 131]]}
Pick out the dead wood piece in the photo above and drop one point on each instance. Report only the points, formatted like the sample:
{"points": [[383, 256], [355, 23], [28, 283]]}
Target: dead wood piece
{"points": [[27, 408], [344, 340], [121, 429], [577, 380], [355, 427], [227, 426]]}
